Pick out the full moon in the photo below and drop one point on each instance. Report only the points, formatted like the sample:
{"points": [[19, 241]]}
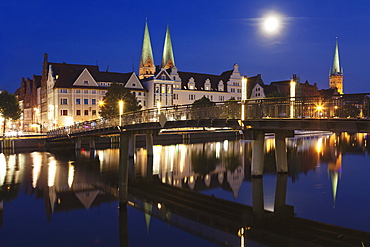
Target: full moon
{"points": [[271, 25]]}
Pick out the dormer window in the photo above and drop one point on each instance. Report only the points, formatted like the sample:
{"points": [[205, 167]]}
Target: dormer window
{"points": [[207, 85], [221, 86], [191, 84], [86, 82], [163, 77]]}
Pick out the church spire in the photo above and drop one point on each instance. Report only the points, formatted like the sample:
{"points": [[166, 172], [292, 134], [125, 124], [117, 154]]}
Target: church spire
{"points": [[147, 67], [168, 60], [336, 69], [336, 72]]}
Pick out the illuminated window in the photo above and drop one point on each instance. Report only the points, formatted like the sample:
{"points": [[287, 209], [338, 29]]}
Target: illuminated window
{"points": [[63, 101], [64, 112]]}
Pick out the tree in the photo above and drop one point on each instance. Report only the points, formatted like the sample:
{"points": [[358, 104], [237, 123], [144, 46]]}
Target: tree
{"points": [[203, 108], [9, 107], [116, 92], [203, 102]]}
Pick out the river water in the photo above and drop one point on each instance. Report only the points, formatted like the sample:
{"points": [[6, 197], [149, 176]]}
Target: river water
{"points": [[64, 198]]}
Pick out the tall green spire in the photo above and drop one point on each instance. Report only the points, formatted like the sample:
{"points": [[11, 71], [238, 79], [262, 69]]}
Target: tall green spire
{"points": [[168, 60], [147, 46], [336, 69]]}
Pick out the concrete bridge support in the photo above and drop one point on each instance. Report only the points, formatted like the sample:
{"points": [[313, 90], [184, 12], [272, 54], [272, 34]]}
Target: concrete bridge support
{"points": [[132, 145], [92, 143], [281, 152], [78, 144], [258, 153], [149, 143], [257, 198], [123, 168]]}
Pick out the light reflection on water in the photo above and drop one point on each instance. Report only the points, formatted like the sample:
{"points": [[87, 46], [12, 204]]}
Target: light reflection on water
{"points": [[327, 177]]}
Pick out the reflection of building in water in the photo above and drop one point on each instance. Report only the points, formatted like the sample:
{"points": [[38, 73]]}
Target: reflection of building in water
{"points": [[65, 185]]}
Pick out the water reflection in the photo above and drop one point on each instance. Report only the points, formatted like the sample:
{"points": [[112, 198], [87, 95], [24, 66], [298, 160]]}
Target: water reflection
{"points": [[88, 179]]}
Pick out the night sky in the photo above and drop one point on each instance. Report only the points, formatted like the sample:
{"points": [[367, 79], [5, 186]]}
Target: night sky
{"points": [[208, 36]]}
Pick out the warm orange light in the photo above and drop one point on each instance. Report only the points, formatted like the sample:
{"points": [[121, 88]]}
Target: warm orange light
{"points": [[319, 108], [101, 103]]}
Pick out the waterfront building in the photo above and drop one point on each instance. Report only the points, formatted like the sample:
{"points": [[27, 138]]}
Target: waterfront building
{"points": [[71, 93], [29, 101], [336, 72]]}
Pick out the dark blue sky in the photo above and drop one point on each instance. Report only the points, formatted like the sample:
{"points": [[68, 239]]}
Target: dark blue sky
{"points": [[207, 36]]}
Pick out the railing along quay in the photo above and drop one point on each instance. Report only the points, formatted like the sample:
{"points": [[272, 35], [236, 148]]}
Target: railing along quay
{"points": [[346, 106]]}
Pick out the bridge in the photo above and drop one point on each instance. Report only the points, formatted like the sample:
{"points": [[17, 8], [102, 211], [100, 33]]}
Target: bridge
{"points": [[255, 117]]}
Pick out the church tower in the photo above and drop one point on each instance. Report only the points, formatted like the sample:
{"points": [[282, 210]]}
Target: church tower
{"points": [[336, 72], [168, 60], [147, 67]]}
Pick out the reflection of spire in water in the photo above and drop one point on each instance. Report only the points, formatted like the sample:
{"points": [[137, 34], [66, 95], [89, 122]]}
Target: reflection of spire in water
{"points": [[148, 212], [334, 170]]}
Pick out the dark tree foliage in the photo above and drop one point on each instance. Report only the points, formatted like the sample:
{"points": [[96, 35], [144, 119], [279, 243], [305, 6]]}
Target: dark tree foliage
{"points": [[9, 107], [203, 102], [115, 93]]}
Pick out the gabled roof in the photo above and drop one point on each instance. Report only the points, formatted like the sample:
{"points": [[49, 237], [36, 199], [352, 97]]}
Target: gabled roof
{"points": [[67, 74], [252, 82], [200, 79]]}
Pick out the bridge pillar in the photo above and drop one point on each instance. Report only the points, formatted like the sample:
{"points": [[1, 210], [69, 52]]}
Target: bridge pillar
{"points": [[78, 144], [123, 168], [92, 143], [132, 144], [258, 153], [149, 143], [280, 152], [280, 193], [257, 198]]}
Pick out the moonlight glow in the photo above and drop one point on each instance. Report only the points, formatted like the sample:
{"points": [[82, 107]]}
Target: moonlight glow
{"points": [[271, 25]]}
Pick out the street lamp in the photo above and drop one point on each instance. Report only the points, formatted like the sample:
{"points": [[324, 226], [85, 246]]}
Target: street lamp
{"points": [[292, 97], [244, 98], [120, 103]]}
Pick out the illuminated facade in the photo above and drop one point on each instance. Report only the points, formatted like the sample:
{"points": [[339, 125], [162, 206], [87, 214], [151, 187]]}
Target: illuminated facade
{"points": [[71, 93]]}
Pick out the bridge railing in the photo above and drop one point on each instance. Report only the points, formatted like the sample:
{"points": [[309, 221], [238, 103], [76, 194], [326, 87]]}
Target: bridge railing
{"points": [[337, 106]]}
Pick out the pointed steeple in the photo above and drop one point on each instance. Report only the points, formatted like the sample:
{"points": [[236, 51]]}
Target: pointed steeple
{"points": [[168, 60], [147, 67], [336, 69], [336, 72]]}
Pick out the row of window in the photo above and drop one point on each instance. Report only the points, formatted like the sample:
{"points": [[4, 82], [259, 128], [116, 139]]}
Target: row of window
{"points": [[85, 91], [78, 112], [64, 101]]}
